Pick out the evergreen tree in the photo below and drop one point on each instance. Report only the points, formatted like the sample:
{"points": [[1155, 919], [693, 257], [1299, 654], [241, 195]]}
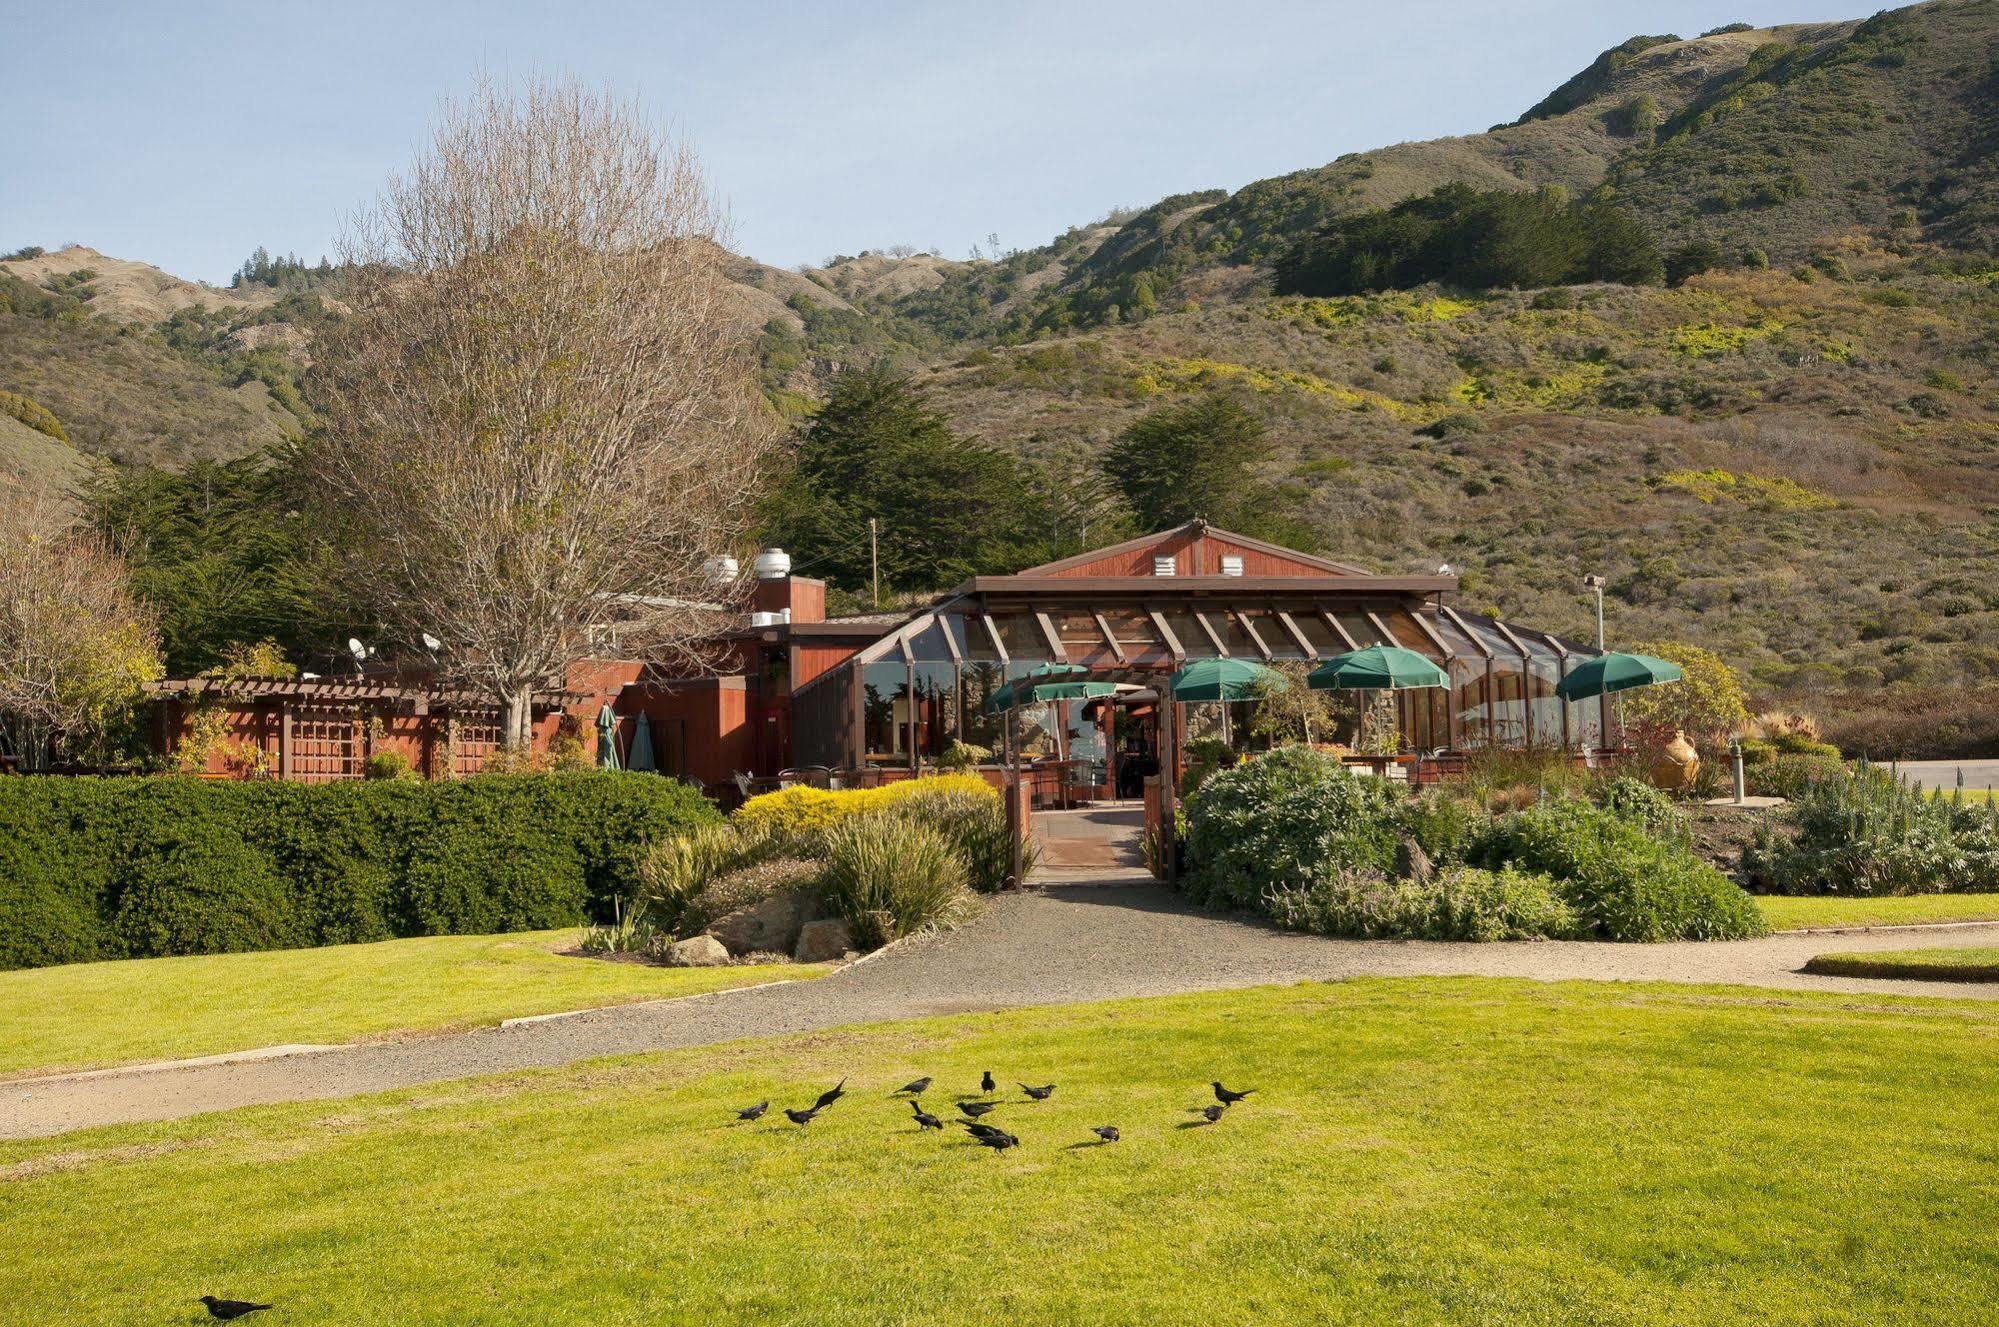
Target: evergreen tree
{"points": [[947, 507], [1199, 460]]}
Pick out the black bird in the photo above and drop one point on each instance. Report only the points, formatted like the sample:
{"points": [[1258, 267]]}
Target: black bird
{"points": [[978, 1130], [1213, 1113], [977, 1108], [1226, 1097], [1107, 1132], [1039, 1093], [831, 1095], [755, 1112], [987, 1084], [924, 1119], [230, 1309], [916, 1089], [801, 1118], [997, 1141]]}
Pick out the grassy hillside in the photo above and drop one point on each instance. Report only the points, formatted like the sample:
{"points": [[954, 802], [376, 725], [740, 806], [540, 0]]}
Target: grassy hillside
{"points": [[1798, 469], [143, 391]]}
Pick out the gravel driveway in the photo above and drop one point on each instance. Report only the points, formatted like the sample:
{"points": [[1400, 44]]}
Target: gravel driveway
{"points": [[1068, 942]]}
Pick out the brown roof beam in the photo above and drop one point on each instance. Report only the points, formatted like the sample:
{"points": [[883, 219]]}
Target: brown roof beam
{"points": [[992, 633], [1214, 638], [1311, 651], [1173, 645], [1110, 638], [1052, 636], [1339, 629], [1249, 629]]}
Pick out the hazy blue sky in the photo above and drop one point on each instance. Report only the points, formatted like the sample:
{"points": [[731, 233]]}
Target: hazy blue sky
{"points": [[187, 133]]}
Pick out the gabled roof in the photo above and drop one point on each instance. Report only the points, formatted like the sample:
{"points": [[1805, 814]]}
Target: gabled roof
{"points": [[1192, 531]]}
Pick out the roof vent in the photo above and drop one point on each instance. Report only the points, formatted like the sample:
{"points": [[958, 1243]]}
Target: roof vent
{"points": [[1165, 565], [758, 621], [773, 564], [721, 570], [1231, 565]]}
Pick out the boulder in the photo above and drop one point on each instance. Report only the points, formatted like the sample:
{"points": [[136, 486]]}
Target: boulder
{"points": [[768, 926], [822, 941], [703, 951], [1411, 862]]}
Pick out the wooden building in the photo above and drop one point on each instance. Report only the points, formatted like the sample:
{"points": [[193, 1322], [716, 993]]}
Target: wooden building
{"points": [[883, 696]]}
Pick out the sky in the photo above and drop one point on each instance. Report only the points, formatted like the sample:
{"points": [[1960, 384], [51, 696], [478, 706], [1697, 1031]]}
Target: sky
{"points": [[186, 134]]}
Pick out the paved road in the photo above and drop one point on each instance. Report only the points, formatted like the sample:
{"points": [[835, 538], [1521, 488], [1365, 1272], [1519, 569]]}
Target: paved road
{"points": [[1943, 773], [1063, 944]]}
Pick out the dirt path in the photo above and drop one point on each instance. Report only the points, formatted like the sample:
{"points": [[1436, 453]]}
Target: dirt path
{"points": [[1067, 943]]}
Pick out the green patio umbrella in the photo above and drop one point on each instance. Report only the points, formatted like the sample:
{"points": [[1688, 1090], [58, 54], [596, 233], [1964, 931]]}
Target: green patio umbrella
{"points": [[1226, 679], [1615, 672], [641, 754], [1377, 668], [1024, 690], [607, 737]]}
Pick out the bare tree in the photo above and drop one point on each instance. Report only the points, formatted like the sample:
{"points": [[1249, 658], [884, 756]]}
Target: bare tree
{"points": [[75, 642], [542, 413]]}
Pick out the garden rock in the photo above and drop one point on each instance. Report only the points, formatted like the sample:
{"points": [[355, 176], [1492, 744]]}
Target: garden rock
{"points": [[769, 925], [1412, 863], [703, 951], [822, 941]]}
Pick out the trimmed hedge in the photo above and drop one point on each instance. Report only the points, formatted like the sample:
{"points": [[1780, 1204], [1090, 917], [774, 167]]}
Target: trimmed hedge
{"points": [[135, 867]]}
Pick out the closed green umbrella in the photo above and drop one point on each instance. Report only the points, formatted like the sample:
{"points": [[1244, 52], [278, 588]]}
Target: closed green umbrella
{"points": [[1021, 691], [1226, 679], [641, 757], [1377, 668], [1616, 672], [607, 737]]}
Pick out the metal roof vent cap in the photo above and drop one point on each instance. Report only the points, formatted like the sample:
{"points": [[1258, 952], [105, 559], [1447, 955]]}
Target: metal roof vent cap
{"points": [[760, 620], [721, 570], [773, 564], [1165, 565]]}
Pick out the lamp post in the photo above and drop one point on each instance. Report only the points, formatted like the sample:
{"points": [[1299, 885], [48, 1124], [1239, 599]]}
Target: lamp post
{"points": [[1594, 584]]}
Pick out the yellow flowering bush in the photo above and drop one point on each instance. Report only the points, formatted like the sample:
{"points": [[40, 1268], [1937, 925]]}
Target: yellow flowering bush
{"points": [[802, 810]]}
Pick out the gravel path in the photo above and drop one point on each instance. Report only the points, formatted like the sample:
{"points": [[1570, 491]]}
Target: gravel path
{"points": [[1069, 942]]}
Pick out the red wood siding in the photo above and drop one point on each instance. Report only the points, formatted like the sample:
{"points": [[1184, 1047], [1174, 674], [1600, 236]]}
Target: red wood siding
{"points": [[1198, 555]]}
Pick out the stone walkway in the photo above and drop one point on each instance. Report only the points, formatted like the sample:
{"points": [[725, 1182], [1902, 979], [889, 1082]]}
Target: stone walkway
{"points": [[1106, 939]]}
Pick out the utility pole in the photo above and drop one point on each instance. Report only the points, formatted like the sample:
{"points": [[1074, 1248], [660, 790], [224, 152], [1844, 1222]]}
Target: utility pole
{"points": [[875, 566]]}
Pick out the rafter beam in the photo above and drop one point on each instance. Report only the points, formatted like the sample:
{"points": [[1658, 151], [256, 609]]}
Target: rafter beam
{"points": [[1110, 638], [1304, 644], [1214, 638], [1173, 645]]}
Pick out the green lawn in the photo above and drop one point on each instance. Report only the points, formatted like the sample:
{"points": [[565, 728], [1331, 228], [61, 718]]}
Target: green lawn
{"points": [[88, 1015], [1799, 914], [1913, 964], [1419, 1152]]}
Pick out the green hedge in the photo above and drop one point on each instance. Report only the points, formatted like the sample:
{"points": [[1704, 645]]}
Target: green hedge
{"points": [[116, 868]]}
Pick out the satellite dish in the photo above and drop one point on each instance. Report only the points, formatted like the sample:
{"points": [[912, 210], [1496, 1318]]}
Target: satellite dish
{"points": [[357, 649], [432, 643]]}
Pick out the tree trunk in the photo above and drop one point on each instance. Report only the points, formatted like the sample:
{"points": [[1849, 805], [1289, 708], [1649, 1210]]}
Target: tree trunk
{"points": [[517, 719]]}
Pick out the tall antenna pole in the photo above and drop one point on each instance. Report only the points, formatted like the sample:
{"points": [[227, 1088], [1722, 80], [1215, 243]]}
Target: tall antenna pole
{"points": [[875, 561]]}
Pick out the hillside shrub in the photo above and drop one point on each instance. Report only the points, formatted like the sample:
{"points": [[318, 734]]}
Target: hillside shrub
{"points": [[1623, 883], [32, 413], [1463, 903], [113, 868], [972, 819]]}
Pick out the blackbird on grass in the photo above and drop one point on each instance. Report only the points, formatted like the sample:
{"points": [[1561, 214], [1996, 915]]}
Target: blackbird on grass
{"points": [[755, 1112], [831, 1095], [1039, 1093], [997, 1141], [1226, 1097], [916, 1089], [228, 1310], [1213, 1113], [924, 1119], [977, 1108], [981, 1130], [987, 1084], [801, 1118], [1107, 1132]]}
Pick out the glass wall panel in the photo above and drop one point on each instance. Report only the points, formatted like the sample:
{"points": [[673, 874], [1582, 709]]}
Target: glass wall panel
{"points": [[1544, 671], [929, 645], [936, 713], [1022, 636], [1083, 641], [1188, 632], [1085, 741], [976, 684], [822, 720], [1275, 635], [970, 632], [1323, 639], [885, 712]]}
